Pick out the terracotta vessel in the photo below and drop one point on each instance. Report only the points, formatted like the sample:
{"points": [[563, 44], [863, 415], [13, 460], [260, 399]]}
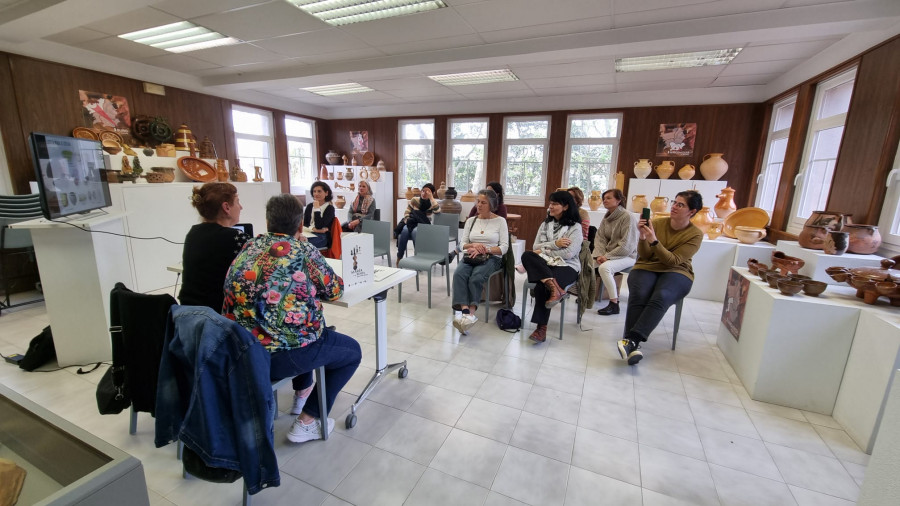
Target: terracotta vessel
{"points": [[257, 174], [642, 168], [864, 239], [814, 288], [870, 282], [754, 266], [620, 180], [715, 230], [836, 242], [813, 237], [416, 192], [789, 286], [184, 139], [168, 173], [375, 173], [339, 176], [468, 197], [595, 200], [409, 193], [786, 264], [207, 148], [659, 205], [363, 174], [687, 172], [817, 226], [749, 235], [703, 219], [450, 194], [451, 206], [380, 165], [638, 203], [221, 171], [442, 191], [713, 166], [725, 205], [345, 160], [332, 158], [665, 169], [349, 174], [340, 202]]}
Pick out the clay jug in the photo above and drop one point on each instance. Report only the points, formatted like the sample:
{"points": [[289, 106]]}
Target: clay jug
{"points": [[442, 191], [416, 192], [332, 158], [375, 173], [595, 200], [659, 205], [703, 219], [665, 169], [864, 239], [836, 243], [450, 194], [620, 180], [642, 168], [409, 193], [340, 202], [714, 230], [725, 205], [468, 197], [829, 219], [687, 171], [813, 236], [349, 175], [221, 171], [323, 173], [638, 203], [713, 166]]}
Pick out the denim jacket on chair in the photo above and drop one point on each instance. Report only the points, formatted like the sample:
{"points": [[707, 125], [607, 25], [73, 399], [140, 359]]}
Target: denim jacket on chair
{"points": [[214, 394]]}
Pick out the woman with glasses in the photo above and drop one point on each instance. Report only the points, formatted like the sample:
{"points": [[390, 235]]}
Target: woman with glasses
{"points": [[662, 274]]}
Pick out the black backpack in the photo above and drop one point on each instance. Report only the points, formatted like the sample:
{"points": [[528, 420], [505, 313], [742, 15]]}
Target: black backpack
{"points": [[508, 321], [40, 351]]}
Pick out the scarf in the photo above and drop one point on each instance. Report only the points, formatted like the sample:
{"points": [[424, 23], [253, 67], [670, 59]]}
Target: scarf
{"points": [[361, 208]]}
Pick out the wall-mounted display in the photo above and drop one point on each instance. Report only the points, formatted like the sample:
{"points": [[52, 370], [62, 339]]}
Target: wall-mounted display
{"points": [[676, 139]]}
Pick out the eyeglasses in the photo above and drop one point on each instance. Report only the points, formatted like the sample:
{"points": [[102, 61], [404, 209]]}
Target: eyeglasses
{"points": [[679, 205]]}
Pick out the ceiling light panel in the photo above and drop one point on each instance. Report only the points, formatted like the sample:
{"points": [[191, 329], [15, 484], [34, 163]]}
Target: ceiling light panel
{"points": [[483, 77], [338, 89], [677, 61], [345, 12], [180, 37]]}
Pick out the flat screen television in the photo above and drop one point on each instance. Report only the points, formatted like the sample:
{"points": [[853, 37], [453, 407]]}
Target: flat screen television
{"points": [[71, 174]]}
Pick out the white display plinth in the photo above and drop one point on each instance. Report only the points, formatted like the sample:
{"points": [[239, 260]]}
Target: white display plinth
{"points": [[761, 251], [817, 261], [670, 187], [711, 265], [518, 247], [881, 486], [792, 349]]}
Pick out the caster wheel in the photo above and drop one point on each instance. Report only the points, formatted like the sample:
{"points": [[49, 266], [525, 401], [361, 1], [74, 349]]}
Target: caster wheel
{"points": [[403, 372], [351, 421]]}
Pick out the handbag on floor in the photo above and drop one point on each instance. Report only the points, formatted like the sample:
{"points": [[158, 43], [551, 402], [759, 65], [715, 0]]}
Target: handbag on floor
{"points": [[508, 321]]}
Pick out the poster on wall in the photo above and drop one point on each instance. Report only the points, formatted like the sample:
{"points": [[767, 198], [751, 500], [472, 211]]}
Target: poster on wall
{"points": [[105, 111], [735, 300], [676, 139], [360, 140]]}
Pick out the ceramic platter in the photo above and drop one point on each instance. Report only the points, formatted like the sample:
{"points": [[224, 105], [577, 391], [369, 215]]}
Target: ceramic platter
{"points": [[85, 133], [109, 135], [747, 217], [197, 169], [368, 158]]}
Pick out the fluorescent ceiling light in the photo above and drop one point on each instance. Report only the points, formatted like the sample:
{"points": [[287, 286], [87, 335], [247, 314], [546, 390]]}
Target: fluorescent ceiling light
{"points": [[466, 78], [180, 37], [338, 89], [344, 12], [677, 61]]}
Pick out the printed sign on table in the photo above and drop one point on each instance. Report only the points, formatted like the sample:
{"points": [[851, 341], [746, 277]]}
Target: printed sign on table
{"points": [[358, 259]]}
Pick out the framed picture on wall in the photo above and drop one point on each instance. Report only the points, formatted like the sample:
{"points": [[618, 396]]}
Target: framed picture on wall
{"points": [[105, 111], [676, 139], [360, 140]]}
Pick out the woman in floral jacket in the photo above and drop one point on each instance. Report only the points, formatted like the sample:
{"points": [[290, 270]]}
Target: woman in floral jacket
{"points": [[273, 290]]}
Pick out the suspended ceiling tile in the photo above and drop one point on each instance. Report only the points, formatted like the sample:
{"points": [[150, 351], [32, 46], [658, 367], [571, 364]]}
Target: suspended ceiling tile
{"points": [[138, 19], [565, 69], [660, 85], [490, 87], [339, 56], [122, 48], [365, 97], [436, 93], [692, 10], [76, 36], [564, 81], [195, 8], [264, 21], [762, 67], [629, 6], [505, 14], [467, 40], [548, 30], [404, 83], [498, 94], [311, 44], [179, 62], [766, 52], [436, 24], [238, 54], [575, 90], [747, 80]]}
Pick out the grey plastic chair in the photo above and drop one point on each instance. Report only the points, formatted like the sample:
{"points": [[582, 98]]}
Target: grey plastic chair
{"points": [[452, 221], [431, 249], [381, 230], [14, 242]]}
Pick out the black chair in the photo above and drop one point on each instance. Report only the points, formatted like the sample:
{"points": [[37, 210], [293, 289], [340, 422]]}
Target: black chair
{"points": [[16, 242]]}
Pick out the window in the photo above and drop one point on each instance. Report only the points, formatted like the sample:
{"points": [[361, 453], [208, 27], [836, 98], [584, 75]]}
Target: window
{"points": [[416, 152], [591, 148], [770, 176], [826, 129], [467, 149], [889, 224], [525, 149], [301, 145], [255, 141]]}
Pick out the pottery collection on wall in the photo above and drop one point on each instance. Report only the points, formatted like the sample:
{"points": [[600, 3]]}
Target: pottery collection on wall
{"points": [[332, 158], [642, 168], [659, 205], [340, 202], [713, 166], [665, 169], [638, 203], [687, 171]]}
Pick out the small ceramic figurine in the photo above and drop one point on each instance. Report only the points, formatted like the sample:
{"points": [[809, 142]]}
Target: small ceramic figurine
{"points": [[137, 166], [258, 174], [126, 165]]}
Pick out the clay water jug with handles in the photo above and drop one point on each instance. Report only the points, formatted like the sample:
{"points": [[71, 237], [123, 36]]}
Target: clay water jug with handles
{"points": [[659, 205], [713, 166], [665, 169], [638, 203], [642, 168], [725, 205]]}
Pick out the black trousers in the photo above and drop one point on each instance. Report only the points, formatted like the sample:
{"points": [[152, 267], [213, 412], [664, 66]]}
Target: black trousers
{"points": [[537, 269]]}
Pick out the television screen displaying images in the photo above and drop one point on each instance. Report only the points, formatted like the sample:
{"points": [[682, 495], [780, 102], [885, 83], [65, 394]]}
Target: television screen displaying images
{"points": [[71, 174]]}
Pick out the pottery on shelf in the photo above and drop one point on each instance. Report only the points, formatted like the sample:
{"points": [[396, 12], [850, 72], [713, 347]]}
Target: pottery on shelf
{"points": [[786, 264], [725, 205], [638, 203], [836, 242], [665, 169], [749, 235], [814, 288], [642, 168], [349, 174], [813, 237], [375, 173], [363, 174], [870, 282], [442, 191], [451, 206], [864, 239], [409, 193], [450, 194], [595, 200], [221, 171], [754, 266], [817, 226], [416, 192], [468, 197], [703, 219], [332, 158], [714, 230], [620, 180], [687, 172], [659, 205], [788, 286], [713, 166], [340, 202]]}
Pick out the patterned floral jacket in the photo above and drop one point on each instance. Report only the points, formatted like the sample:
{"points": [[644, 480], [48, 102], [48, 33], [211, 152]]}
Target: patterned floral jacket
{"points": [[271, 289]]}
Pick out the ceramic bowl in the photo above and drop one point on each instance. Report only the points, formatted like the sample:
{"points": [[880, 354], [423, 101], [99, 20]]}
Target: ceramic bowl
{"points": [[813, 287], [889, 289], [753, 265], [786, 264], [749, 235], [839, 274], [798, 277], [112, 147], [788, 286], [773, 279], [762, 273]]}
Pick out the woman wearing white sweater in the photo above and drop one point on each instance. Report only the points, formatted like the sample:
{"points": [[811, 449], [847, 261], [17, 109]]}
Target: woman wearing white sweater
{"points": [[615, 245]]}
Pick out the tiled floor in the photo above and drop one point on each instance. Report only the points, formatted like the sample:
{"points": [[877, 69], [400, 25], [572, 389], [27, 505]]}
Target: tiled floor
{"points": [[493, 419]]}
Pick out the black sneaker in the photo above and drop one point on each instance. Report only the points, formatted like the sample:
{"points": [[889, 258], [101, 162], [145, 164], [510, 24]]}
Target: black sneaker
{"points": [[610, 309], [630, 350]]}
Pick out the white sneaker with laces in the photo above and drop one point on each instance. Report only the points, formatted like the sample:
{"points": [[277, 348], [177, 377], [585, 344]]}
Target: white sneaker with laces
{"points": [[468, 320], [301, 433], [458, 324]]}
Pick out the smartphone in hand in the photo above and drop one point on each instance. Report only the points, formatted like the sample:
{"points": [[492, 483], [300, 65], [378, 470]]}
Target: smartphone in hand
{"points": [[645, 214]]}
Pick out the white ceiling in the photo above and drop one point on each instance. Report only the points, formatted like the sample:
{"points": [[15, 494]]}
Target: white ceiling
{"points": [[563, 51]]}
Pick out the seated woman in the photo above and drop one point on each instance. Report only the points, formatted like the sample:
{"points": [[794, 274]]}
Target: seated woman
{"points": [[663, 273], [554, 261], [485, 239], [319, 214], [422, 207], [501, 207], [578, 195], [362, 208], [615, 245], [211, 245], [273, 290]]}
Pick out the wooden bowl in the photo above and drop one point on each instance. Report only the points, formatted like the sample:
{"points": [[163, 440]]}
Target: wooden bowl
{"points": [[788, 286], [112, 147], [813, 287]]}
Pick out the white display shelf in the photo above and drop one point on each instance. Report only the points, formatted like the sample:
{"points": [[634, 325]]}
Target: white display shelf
{"points": [[817, 261], [670, 187], [382, 190]]}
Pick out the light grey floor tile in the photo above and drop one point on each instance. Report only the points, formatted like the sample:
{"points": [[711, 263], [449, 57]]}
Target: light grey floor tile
{"points": [[821, 420], [424, 369], [843, 447], [610, 391], [806, 497], [553, 404], [436, 350], [525, 348], [569, 357], [613, 419], [607, 455], [516, 368], [335, 501], [557, 378], [652, 498], [585, 488], [814, 472], [380, 479], [495, 499], [291, 491], [764, 407], [610, 369], [791, 433], [155, 499], [738, 452], [489, 420], [677, 476], [544, 436], [440, 405], [659, 379], [460, 379], [324, 464], [857, 471], [705, 367], [668, 434], [660, 402], [469, 457], [373, 420], [531, 478], [722, 417], [475, 359], [737, 488], [196, 491], [710, 390], [415, 438], [397, 393], [505, 391], [439, 489]]}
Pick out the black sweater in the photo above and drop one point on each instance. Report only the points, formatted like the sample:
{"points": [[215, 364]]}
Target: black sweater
{"points": [[324, 220], [209, 249]]}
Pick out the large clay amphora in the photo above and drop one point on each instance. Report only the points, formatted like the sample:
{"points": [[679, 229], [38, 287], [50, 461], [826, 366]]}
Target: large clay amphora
{"points": [[864, 239], [665, 169], [713, 167], [725, 205], [659, 205], [642, 168], [703, 219], [638, 203]]}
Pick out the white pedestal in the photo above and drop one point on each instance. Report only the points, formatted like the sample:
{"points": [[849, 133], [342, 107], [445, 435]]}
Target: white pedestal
{"points": [[817, 261], [792, 350], [762, 251], [881, 485], [711, 265], [518, 248], [596, 216]]}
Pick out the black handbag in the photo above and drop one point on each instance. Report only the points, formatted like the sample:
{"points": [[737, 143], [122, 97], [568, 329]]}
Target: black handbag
{"points": [[40, 351], [477, 259], [111, 398]]}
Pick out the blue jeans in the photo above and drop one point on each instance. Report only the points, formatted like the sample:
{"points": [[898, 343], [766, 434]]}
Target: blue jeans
{"points": [[650, 295], [469, 280], [319, 241], [339, 354], [403, 240]]}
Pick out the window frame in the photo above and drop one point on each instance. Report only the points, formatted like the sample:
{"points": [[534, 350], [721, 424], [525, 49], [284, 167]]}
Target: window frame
{"points": [[890, 211], [401, 143], [593, 141], [481, 181], [272, 173], [773, 136], [297, 189], [526, 200]]}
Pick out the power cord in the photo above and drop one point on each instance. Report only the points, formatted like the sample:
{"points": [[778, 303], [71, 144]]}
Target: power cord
{"points": [[80, 367], [115, 233]]}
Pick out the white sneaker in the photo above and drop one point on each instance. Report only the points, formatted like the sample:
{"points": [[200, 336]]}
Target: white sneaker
{"points": [[299, 402], [301, 433], [468, 320], [458, 324]]}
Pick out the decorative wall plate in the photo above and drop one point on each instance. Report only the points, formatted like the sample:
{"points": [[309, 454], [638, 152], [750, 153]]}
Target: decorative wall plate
{"points": [[748, 217], [108, 135], [85, 133], [368, 158], [197, 169]]}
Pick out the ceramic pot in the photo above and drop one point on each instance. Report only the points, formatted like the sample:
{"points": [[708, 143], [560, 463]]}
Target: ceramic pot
{"points": [[184, 140], [595, 200], [638, 203], [830, 219], [375, 173], [450, 194], [442, 191], [207, 148], [659, 205], [409, 193], [836, 242], [380, 165], [221, 171], [620, 180], [749, 235], [468, 197], [665, 169], [416, 192], [703, 219], [864, 239], [363, 174], [323, 173], [642, 168], [451, 206], [332, 158], [340, 202], [813, 237], [349, 174], [725, 205], [714, 230], [786, 264], [339, 176], [687, 171], [713, 166]]}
